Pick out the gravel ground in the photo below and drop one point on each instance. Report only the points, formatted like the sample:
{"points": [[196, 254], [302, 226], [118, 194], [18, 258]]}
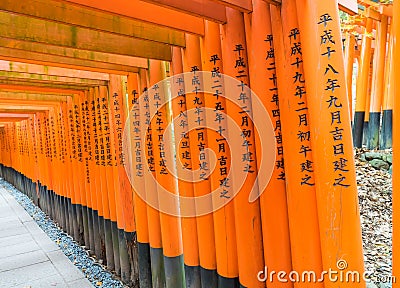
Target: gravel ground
{"points": [[94, 272], [375, 198]]}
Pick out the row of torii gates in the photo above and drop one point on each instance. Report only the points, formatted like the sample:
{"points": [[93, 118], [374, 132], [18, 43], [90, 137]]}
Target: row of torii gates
{"points": [[82, 105]]}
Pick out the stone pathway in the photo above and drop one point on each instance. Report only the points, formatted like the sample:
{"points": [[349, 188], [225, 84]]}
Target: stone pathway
{"points": [[28, 258]]}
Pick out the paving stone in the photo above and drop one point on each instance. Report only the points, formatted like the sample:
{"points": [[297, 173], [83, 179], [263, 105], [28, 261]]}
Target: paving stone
{"points": [[6, 212], [27, 274], [45, 243], [11, 224], [22, 260], [4, 220], [20, 248], [33, 228], [16, 239], [64, 266], [48, 282], [13, 231]]}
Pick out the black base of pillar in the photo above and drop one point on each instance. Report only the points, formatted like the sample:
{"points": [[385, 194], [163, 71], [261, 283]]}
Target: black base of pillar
{"points": [[144, 265], [193, 276], [365, 134], [157, 267], [209, 278], [224, 282], [373, 129], [386, 133], [174, 272], [358, 127]]}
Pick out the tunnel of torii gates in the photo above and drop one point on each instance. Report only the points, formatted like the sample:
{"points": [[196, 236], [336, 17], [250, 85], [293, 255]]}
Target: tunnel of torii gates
{"points": [[181, 182]]}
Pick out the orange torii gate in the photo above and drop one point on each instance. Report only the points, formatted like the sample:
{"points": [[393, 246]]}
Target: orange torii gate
{"points": [[293, 63]]}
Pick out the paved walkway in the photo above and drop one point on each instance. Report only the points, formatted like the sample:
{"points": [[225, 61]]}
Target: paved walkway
{"points": [[28, 258]]}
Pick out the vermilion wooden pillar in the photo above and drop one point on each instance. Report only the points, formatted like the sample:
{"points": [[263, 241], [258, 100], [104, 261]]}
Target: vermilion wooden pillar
{"points": [[385, 141], [296, 134], [396, 143], [262, 38], [362, 87], [349, 62], [184, 161], [247, 214], [198, 139], [378, 87], [153, 215], [137, 175], [331, 141], [170, 223], [224, 217]]}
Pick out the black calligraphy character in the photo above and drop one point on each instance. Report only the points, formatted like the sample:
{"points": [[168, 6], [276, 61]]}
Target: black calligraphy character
{"points": [[307, 166], [330, 67], [238, 49], [245, 121], [281, 176], [214, 58], [339, 180], [248, 168], [304, 150], [195, 80], [332, 85], [327, 37], [247, 157], [269, 39], [328, 52], [297, 77], [279, 164], [278, 138], [215, 72], [297, 63], [303, 120], [293, 34], [340, 165], [197, 101], [179, 80], [240, 62], [270, 54], [278, 125], [224, 194], [275, 99], [303, 136], [221, 130], [300, 91], [194, 69], [243, 97], [296, 49], [223, 171], [332, 101], [199, 120], [335, 116], [325, 18], [219, 117], [338, 149], [306, 180], [222, 160], [224, 182], [245, 133], [221, 147]]}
